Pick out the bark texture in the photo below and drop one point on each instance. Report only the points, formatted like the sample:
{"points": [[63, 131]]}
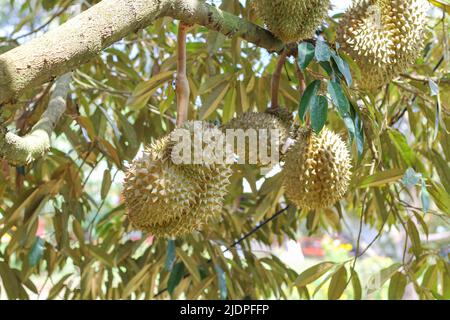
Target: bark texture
{"points": [[83, 37], [24, 150]]}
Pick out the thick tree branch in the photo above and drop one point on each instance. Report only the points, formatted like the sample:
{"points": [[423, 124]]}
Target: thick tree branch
{"points": [[24, 150], [83, 37]]}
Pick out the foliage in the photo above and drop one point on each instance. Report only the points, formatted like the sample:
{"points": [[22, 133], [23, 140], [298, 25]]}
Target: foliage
{"points": [[125, 99]]}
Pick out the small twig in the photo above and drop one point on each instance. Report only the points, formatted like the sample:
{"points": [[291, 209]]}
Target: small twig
{"points": [[259, 226], [182, 83], [358, 241], [424, 78], [90, 227], [276, 78]]}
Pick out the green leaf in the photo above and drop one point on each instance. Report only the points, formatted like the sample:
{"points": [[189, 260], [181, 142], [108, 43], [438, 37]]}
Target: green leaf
{"points": [[326, 65], [440, 196], [400, 143], [356, 284], [10, 282], [343, 67], [339, 99], [213, 82], [338, 284], [36, 252], [106, 183], [377, 281], [413, 234], [313, 273], [136, 281], [441, 4], [175, 277], [381, 178], [170, 255], [397, 286], [190, 264], [305, 54], [307, 99], [102, 256], [322, 52], [56, 289], [359, 136], [222, 281], [213, 101], [319, 112], [144, 90]]}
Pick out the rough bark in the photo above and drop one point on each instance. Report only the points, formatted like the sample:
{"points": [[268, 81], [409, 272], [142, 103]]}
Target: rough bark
{"points": [[81, 38], [24, 150]]}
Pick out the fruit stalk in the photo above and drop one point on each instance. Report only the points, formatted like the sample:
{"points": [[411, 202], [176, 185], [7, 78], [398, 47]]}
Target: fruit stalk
{"points": [[182, 83]]}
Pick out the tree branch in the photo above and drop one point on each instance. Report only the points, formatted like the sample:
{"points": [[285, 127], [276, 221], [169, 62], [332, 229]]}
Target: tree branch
{"points": [[84, 36], [24, 150], [276, 79], [182, 89]]}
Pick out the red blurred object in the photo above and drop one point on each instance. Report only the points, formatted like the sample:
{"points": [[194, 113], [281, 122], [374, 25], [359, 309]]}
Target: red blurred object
{"points": [[312, 247]]}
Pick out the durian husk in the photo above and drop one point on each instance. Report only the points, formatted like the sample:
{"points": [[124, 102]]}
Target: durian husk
{"points": [[383, 37], [273, 119], [211, 180], [156, 195], [316, 172], [292, 20], [171, 200]]}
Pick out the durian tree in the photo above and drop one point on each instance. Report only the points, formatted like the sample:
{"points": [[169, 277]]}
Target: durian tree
{"points": [[92, 206]]}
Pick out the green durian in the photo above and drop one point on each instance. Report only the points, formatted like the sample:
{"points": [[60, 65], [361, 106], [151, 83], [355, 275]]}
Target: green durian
{"points": [[211, 180], [316, 172], [292, 20], [168, 199], [273, 119], [383, 37], [156, 194]]}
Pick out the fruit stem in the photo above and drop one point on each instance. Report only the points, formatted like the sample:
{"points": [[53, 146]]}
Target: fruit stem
{"points": [[276, 78], [301, 80], [182, 83]]}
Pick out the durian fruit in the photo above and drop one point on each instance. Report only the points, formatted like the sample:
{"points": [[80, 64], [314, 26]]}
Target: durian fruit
{"points": [[273, 119], [157, 196], [384, 37], [211, 177], [168, 199], [317, 169], [292, 20]]}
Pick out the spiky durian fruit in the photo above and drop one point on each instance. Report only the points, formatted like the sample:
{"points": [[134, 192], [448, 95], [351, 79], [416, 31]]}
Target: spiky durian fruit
{"points": [[203, 163], [211, 176], [317, 169], [292, 20], [384, 37], [169, 199], [157, 196], [274, 119]]}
